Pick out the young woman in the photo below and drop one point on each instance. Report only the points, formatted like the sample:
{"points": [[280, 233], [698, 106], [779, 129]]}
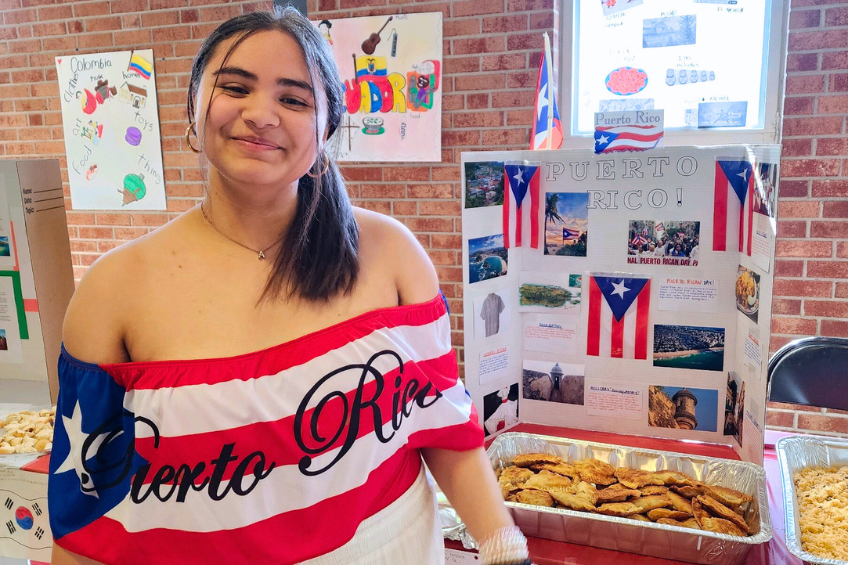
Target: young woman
{"points": [[258, 380]]}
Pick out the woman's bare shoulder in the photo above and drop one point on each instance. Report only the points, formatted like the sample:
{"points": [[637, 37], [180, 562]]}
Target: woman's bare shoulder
{"points": [[102, 305], [391, 247]]}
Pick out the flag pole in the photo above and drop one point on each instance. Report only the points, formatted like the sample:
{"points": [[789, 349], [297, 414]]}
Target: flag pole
{"points": [[551, 90]]}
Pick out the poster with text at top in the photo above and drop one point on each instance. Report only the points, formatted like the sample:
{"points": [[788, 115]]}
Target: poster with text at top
{"points": [[111, 123], [391, 67], [656, 324], [672, 55]]}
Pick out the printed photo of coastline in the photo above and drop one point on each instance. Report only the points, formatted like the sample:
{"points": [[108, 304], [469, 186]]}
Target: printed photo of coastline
{"points": [[486, 258], [689, 347], [683, 408]]}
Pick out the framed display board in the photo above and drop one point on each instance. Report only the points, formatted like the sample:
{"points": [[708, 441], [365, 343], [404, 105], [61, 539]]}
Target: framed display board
{"points": [[645, 305]]}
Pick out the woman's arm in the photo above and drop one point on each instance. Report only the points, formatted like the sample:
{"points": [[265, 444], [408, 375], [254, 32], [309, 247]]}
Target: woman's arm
{"points": [[93, 332], [466, 477]]}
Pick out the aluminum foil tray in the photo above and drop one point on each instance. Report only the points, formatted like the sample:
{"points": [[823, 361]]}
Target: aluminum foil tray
{"points": [[623, 534], [800, 452]]}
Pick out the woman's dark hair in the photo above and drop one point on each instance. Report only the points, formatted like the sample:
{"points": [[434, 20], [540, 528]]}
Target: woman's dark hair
{"points": [[318, 259]]}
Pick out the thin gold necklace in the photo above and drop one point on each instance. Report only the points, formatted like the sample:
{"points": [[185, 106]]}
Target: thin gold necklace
{"points": [[259, 252]]}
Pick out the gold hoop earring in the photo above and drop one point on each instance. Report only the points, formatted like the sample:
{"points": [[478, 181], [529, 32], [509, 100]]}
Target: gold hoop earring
{"points": [[326, 166], [188, 133]]}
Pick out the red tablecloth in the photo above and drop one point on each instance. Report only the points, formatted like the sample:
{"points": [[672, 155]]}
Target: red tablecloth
{"points": [[547, 552]]}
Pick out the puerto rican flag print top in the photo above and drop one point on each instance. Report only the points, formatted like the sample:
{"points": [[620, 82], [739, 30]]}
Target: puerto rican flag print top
{"points": [[270, 457]]}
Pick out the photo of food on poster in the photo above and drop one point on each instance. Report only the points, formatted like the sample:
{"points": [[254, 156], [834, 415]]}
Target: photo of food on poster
{"points": [[566, 224], [664, 243], [487, 258], [748, 293], [500, 409], [553, 382]]}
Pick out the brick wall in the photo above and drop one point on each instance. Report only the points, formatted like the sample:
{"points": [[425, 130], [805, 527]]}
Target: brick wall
{"points": [[811, 284], [491, 53]]}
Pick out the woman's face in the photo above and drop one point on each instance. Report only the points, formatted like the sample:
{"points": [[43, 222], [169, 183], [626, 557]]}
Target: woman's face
{"points": [[261, 121]]}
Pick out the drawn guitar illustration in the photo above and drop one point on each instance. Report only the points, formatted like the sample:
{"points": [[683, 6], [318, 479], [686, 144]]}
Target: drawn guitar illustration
{"points": [[370, 44]]}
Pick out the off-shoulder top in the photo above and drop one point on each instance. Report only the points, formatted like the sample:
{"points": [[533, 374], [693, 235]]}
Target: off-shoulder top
{"points": [[269, 457]]}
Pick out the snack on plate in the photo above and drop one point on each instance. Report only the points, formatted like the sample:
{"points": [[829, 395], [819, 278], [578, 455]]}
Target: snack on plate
{"points": [[27, 431], [823, 511], [663, 497]]}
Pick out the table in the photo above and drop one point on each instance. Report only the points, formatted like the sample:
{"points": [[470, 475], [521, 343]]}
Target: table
{"points": [[547, 552]]}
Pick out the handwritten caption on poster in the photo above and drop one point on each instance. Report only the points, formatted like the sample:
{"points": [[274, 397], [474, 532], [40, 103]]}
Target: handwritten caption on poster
{"points": [[553, 334], [493, 364], [614, 399], [688, 295]]}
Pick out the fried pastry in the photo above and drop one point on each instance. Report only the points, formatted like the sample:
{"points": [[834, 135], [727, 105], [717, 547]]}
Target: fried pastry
{"points": [[565, 469], [546, 480], [720, 526], [690, 523], [680, 503], [657, 513], [722, 511], [512, 478], [727, 496], [669, 478], [648, 503], [698, 511], [653, 489], [596, 472], [527, 459], [639, 517], [620, 509], [533, 496], [617, 493], [586, 490], [688, 491], [634, 478], [573, 501]]}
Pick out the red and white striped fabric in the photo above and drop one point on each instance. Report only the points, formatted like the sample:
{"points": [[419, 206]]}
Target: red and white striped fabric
{"points": [[277, 456], [619, 309]]}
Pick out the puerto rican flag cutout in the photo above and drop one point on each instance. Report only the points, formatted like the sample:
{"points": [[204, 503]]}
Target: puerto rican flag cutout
{"points": [[523, 179], [609, 139], [733, 208], [619, 309]]}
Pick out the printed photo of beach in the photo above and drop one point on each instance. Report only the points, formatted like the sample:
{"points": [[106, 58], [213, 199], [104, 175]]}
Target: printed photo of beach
{"points": [[689, 347], [566, 223], [487, 258]]}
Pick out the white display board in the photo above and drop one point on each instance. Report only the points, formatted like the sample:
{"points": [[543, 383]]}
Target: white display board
{"points": [[391, 67], [646, 306], [673, 55], [111, 122]]}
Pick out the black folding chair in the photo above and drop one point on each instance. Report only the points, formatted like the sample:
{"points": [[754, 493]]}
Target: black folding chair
{"points": [[812, 371]]}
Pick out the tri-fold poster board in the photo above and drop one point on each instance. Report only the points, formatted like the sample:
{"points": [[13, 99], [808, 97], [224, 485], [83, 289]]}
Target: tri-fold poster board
{"points": [[626, 292]]}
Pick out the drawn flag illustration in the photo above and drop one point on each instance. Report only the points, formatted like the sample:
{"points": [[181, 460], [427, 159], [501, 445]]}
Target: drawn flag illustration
{"points": [[570, 235], [609, 139], [547, 125], [141, 66], [523, 179], [734, 197], [618, 316]]}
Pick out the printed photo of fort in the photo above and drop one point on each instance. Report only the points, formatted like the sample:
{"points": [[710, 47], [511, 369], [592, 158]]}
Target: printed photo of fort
{"points": [[682, 408], [689, 347]]}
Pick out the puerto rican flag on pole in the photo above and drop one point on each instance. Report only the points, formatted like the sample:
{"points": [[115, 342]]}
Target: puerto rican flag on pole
{"points": [[734, 198], [570, 234], [618, 316], [523, 179], [547, 125]]}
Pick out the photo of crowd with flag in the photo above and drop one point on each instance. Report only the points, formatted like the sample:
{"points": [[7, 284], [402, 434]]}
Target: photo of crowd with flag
{"points": [[643, 260]]}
